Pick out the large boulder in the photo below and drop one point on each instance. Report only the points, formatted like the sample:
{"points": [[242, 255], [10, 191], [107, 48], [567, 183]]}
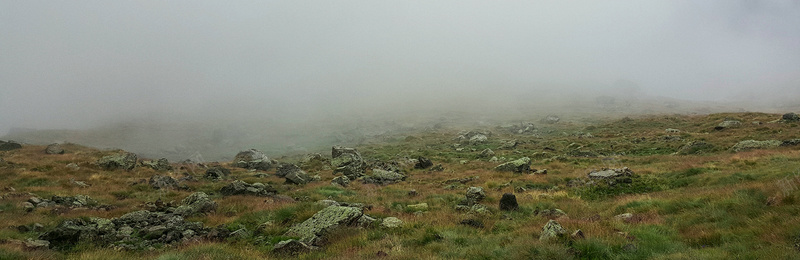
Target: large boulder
{"points": [[517, 166], [252, 159], [552, 230], [197, 203], [125, 161], [383, 177], [158, 165], [753, 144], [790, 117], [162, 182], [54, 149], [238, 187], [217, 173], [313, 231], [10, 145], [347, 161], [293, 174], [475, 195]]}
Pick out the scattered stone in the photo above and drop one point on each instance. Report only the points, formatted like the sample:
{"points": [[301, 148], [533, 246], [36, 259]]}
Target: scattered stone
{"points": [[79, 184], [31, 244], [624, 216], [462, 180], [73, 166], [472, 223], [54, 149], [391, 222], [521, 128], [508, 145], [28, 206], [238, 187], [341, 181], [382, 177], [315, 161], [578, 234], [672, 131], [252, 159], [728, 124], [509, 202], [486, 153], [347, 161], [478, 139], [313, 231], [293, 174], [158, 165], [418, 207], [552, 230], [217, 173], [125, 161], [10, 145], [790, 117], [291, 247], [611, 173], [517, 166], [196, 203], [412, 193], [423, 163], [753, 144], [551, 119], [695, 147], [163, 182], [473, 196]]}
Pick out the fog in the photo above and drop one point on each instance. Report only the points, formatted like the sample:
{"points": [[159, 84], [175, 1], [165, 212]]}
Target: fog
{"points": [[293, 69]]}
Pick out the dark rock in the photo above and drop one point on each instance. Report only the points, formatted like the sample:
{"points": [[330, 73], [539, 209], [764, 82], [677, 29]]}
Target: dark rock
{"points": [[217, 173], [54, 149], [293, 174], [10, 145], [238, 187], [423, 163], [125, 161], [790, 117], [509, 202], [412, 193], [163, 182], [252, 159], [578, 234], [791, 142]]}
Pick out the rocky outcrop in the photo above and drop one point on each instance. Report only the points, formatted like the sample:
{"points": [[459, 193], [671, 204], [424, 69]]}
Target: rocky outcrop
{"points": [[790, 117], [77, 201], [238, 187], [347, 161], [54, 149], [520, 165], [341, 181], [125, 161], [313, 231], [252, 159], [382, 177]]}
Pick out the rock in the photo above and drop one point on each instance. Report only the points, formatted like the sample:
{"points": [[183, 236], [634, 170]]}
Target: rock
{"points": [[238, 187], [382, 177], [158, 165], [521, 128], [578, 234], [540, 172], [478, 139], [313, 231], [476, 223], [695, 147], [790, 117], [391, 222], [551, 119], [753, 144], [73, 166], [418, 207], [162, 182], [791, 142], [252, 159], [517, 166], [31, 244], [624, 216], [328, 203], [412, 193], [28, 206], [347, 161], [509, 202], [728, 124], [672, 131], [475, 195], [54, 149], [423, 163], [552, 230], [508, 145], [10, 145], [314, 161], [196, 203], [341, 181], [551, 213], [217, 173], [125, 161], [611, 173], [291, 247], [293, 174], [437, 168], [462, 180], [486, 153]]}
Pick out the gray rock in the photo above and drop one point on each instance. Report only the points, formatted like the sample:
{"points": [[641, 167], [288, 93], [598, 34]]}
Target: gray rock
{"points": [[508, 145], [10, 145], [291, 247], [423, 163], [314, 161], [552, 230], [217, 173], [158, 165], [550, 119], [196, 203], [624, 216], [238, 187], [382, 177], [347, 161], [790, 117], [54, 149], [28, 206], [478, 139], [517, 166], [486, 153], [611, 173], [475, 195], [125, 161], [341, 181], [753, 144], [391, 222], [695, 147], [31, 244], [509, 202], [728, 124], [252, 159], [293, 174], [162, 182], [314, 230]]}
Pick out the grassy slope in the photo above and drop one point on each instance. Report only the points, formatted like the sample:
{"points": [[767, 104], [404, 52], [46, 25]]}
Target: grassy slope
{"points": [[711, 205]]}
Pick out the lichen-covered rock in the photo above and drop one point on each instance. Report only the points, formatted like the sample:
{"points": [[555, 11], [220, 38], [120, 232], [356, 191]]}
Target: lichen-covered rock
{"points": [[611, 173], [125, 161], [517, 166], [314, 161], [509, 202], [423, 163], [728, 124], [293, 174], [158, 165], [252, 159], [753, 144], [162, 182], [341, 181], [31, 244], [551, 230], [291, 247], [196, 203], [54, 149], [478, 139], [486, 153], [217, 173], [238, 187], [347, 161], [391, 222], [382, 177], [790, 117], [313, 231], [473, 196]]}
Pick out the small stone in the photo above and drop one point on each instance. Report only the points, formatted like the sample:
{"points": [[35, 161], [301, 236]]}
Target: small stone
{"points": [[391, 222], [624, 216]]}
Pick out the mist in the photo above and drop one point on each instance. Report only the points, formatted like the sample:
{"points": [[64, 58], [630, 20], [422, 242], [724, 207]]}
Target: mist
{"points": [[297, 74]]}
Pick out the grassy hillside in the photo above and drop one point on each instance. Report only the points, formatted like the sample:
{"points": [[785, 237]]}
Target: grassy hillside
{"points": [[700, 202]]}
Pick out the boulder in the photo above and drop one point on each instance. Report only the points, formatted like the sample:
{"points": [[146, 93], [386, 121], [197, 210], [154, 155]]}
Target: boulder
{"points": [[238, 187], [753, 144], [196, 203], [478, 139], [293, 174], [216, 173], [125, 161], [550, 119], [517, 166], [486, 153], [423, 163], [552, 230], [418, 207], [347, 161], [252, 159], [611, 173], [578, 234], [158, 165], [341, 181], [54, 149], [314, 161], [313, 231], [728, 124], [508, 145], [474, 195], [672, 131], [162, 182], [10, 145], [790, 117], [509, 202], [291, 247], [391, 222], [382, 177]]}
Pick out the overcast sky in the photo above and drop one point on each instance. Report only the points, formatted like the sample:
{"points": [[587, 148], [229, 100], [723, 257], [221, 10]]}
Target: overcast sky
{"points": [[78, 63]]}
